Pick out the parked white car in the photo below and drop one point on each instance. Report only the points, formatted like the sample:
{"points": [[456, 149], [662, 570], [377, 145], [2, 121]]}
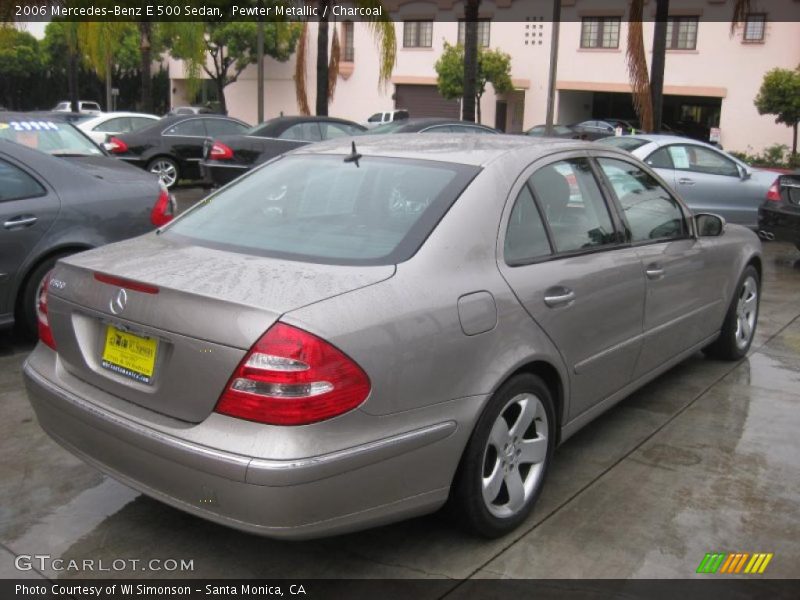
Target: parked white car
{"points": [[84, 106], [114, 123], [387, 116]]}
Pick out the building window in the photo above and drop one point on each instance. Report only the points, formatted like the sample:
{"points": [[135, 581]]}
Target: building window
{"points": [[754, 27], [682, 33], [417, 34], [347, 34], [600, 32], [483, 32]]}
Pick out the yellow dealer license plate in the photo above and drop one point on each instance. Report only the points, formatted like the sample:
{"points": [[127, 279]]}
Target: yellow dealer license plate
{"points": [[130, 355]]}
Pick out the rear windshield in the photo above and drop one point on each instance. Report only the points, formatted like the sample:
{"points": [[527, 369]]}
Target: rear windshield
{"points": [[624, 142], [322, 209], [53, 137]]}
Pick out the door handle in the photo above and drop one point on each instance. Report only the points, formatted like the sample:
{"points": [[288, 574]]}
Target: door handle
{"points": [[686, 181], [654, 271], [19, 222], [559, 297]]}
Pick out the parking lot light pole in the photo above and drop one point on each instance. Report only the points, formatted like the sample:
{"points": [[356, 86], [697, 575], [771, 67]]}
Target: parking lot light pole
{"points": [[260, 58]]}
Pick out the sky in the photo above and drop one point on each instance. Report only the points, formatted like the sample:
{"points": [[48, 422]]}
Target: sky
{"points": [[35, 28]]}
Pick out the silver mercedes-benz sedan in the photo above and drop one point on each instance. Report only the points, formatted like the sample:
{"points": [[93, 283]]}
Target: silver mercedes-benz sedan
{"points": [[355, 334]]}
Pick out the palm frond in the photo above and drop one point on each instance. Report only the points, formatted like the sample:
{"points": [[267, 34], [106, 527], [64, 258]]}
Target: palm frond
{"points": [[740, 10], [300, 72], [333, 64], [636, 61], [385, 36]]}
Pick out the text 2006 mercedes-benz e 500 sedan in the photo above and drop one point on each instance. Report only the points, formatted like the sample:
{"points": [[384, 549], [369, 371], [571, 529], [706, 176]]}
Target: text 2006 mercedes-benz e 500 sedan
{"points": [[351, 335]]}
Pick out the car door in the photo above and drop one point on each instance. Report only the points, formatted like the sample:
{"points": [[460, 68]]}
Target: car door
{"points": [[28, 208], [709, 181], [565, 258], [683, 304], [184, 140]]}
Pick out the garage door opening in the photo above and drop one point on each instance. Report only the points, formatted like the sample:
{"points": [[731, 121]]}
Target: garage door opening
{"points": [[425, 101]]}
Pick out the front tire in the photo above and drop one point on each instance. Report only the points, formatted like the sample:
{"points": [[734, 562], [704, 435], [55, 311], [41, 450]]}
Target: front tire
{"points": [[504, 465], [740, 322]]}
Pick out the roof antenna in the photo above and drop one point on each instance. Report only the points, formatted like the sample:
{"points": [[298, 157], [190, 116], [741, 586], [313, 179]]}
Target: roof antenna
{"points": [[354, 156]]}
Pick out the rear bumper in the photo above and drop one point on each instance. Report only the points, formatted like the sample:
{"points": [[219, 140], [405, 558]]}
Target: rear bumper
{"points": [[332, 493], [220, 174], [784, 225]]}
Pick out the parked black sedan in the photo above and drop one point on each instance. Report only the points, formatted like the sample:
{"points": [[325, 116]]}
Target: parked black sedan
{"points": [[59, 203], [229, 156], [172, 147], [559, 131], [779, 215], [431, 125]]}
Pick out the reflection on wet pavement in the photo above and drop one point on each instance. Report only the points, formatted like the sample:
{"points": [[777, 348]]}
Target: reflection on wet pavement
{"points": [[702, 459]]}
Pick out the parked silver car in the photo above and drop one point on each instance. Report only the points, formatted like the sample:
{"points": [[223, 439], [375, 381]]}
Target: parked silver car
{"points": [[347, 336], [708, 179]]}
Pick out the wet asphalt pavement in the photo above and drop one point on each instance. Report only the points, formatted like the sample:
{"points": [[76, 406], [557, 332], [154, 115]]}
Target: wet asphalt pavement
{"points": [[705, 458]]}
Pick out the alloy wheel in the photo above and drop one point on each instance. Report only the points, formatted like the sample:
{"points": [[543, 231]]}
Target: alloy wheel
{"points": [[166, 172], [746, 310]]}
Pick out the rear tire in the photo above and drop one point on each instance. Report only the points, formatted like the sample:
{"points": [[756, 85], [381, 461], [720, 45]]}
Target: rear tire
{"points": [[740, 322], [506, 460], [27, 322], [166, 170]]}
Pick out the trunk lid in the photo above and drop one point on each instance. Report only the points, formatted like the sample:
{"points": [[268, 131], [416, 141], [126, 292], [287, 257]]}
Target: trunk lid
{"points": [[209, 308]]}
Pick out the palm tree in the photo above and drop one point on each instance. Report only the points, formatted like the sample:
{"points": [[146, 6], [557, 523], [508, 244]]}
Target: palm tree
{"points": [[98, 40], [383, 32], [146, 57], [648, 91]]}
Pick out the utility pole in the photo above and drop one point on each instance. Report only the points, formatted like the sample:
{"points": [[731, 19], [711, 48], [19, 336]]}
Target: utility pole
{"points": [[260, 58], [551, 84]]}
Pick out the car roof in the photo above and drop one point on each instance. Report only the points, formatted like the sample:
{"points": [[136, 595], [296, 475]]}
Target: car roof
{"points": [[662, 139], [278, 125], [468, 149]]}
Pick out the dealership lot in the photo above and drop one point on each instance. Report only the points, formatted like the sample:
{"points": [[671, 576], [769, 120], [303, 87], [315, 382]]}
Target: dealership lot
{"points": [[701, 460]]}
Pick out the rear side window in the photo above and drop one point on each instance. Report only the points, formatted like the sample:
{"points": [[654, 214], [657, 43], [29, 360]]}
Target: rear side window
{"points": [[192, 127], [659, 159], [16, 184], [322, 209], [216, 127], [526, 238], [304, 132], [573, 205], [649, 209]]}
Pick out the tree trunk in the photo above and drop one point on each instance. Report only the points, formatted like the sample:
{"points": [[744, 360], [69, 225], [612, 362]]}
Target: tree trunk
{"points": [[322, 61], [478, 108], [109, 97], [72, 80], [470, 59], [659, 58], [146, 97], [794, 140], [223, 106]]}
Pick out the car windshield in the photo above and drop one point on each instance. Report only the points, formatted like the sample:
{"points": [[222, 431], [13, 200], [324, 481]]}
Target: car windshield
{"points": [[323, 209], [624, 142], [58, 139]]}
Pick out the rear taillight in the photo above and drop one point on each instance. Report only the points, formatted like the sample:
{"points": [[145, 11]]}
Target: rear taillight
{"points": [[774, 191], [220, 151], [163, 210], [291, 377], [45, 333], [116, 146]]}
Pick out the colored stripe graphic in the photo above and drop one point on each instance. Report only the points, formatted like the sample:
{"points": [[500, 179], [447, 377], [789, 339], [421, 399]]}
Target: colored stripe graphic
{"points": [[733, 562]]}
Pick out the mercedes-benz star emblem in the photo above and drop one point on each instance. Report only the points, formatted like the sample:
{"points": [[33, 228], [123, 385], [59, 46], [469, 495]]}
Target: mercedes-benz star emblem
{"points": [[117, 304]]}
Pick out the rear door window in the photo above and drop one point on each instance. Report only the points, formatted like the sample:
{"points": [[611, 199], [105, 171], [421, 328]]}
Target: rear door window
{"points": [[216, 127], [526, 237], [322, 209], [305, 132]]}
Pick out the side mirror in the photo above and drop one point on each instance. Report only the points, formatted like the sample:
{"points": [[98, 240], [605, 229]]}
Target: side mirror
{"points": [[708, 225], [744, 172]]}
